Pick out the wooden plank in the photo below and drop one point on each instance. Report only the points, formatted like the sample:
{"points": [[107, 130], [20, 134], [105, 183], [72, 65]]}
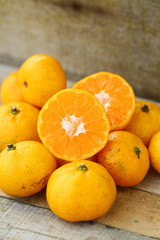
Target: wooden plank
{"points": [[87, 37], [134, 210], [38, 199], [22, 221], [7, 231], [151, 183]]}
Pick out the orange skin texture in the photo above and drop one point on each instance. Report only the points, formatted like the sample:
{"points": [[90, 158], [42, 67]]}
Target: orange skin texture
{"points": [[61, 162], [145, 124], [40, 77], [11, 90], [26, 169], [18, 127], [121, 160], [77, 195], [154, 151]]}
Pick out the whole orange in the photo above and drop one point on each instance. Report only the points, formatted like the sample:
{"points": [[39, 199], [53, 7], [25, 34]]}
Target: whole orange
{"points": [[154, 151], [125, 157], [80, 191], [18, 122], [25, 168], [145, 121], [11, 90], [40, 77]]}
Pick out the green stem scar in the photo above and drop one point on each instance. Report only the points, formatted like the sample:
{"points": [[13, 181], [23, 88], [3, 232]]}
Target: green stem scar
{"points": [[82, 167], [145, 108], [137, 151], [11, 147], [14, 110]]}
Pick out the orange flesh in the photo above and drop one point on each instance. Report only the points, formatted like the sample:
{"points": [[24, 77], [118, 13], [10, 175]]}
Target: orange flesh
{"points": [[114, 93], [73, 125]]}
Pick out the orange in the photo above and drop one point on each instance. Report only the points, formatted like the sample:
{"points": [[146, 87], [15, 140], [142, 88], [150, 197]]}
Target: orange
{"points": [[145, 121], [125, 157], [114, 93], [61, 162], [80, 191], [25, 168], [40, 77], [18, 122], [154, 151], [73, 125], [11, 90]]}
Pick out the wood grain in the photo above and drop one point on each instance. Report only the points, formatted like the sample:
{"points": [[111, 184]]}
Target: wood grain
{"points": [[151, 183], [134, 210], [86, 37], [23, 221]]}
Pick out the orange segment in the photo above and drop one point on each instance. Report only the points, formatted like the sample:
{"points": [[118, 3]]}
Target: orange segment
{"points": [[73, 125], [114, 93]]}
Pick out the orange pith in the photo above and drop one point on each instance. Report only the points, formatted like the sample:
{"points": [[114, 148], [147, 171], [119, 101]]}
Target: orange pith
{"points": [[73, 125], [114, 93]]}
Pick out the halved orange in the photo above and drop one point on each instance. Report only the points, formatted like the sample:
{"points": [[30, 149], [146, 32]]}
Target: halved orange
{"points": [[114, 93], [73, 125]]}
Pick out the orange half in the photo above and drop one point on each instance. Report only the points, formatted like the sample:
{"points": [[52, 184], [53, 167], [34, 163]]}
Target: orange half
{"points": [[73, 125], [114, 93]]}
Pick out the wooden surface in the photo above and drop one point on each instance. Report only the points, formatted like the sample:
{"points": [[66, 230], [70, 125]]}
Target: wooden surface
{"points": [[86, 37], [134, 216], [21, 221]]}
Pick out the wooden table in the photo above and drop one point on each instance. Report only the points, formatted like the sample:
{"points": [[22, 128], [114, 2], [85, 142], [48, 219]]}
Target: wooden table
{"points": [[134, 216]]}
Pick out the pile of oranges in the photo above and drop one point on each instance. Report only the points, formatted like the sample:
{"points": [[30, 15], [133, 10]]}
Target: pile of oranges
{"points": [[79, 142]]}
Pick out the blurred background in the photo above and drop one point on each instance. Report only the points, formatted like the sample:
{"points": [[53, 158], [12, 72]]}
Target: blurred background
{"points": [[119, 36]]}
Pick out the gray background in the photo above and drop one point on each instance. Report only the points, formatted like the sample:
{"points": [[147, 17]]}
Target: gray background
{"points": [[119, 36]]}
